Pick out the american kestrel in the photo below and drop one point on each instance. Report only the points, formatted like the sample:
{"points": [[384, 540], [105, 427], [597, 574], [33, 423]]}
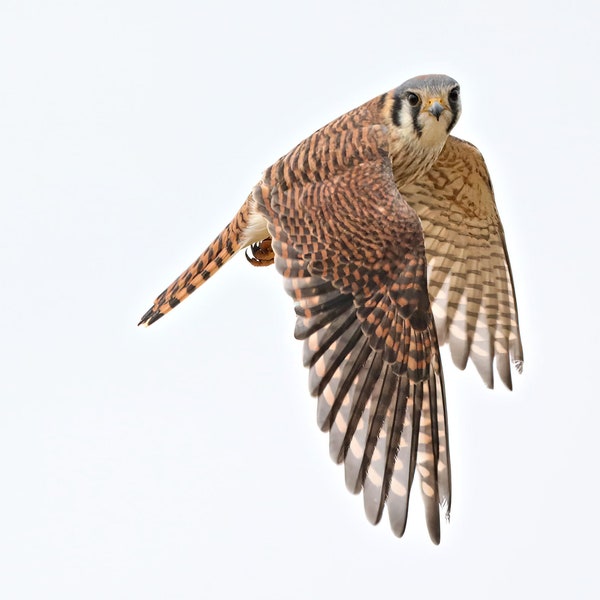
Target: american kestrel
{"points": [[386, 232]]}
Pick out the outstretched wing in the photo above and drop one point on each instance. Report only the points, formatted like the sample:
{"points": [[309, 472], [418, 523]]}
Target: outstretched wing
{"points": [[352, 254], [470, 280]]}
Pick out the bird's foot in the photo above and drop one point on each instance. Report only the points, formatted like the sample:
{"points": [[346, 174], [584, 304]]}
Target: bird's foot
{"points": [[261, 254]]}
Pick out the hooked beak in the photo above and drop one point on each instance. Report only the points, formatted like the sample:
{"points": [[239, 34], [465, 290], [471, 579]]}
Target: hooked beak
{"points": [[435, 108]]}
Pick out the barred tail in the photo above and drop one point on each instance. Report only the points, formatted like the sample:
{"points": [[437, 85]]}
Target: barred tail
{"points": [[245, 228]]}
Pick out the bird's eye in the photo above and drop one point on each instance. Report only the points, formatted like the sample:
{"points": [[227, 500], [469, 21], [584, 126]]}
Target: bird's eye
{"points": [[454, 94], [413, 99]]}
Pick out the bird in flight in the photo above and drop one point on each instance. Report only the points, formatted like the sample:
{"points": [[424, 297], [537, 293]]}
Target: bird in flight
{"points": [[385, 230]]}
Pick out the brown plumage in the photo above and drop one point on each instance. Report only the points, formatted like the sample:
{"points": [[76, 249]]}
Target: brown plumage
{"points": [[378, 222]]}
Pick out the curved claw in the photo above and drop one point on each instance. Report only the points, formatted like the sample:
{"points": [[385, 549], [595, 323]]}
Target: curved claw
{"points": [[262, 254]]}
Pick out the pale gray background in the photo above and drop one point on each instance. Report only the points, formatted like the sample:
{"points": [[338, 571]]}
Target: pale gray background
{"points": [[184, 461]]}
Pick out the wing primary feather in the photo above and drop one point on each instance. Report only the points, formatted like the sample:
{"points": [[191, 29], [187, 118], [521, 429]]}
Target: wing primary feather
{"points": [[399, 492], [343, 396], [387, 390], [320, 341], [364, 386], [357, 430], [307, 326], [323, 370], [395, 428], [443, 468], [427, 461]]}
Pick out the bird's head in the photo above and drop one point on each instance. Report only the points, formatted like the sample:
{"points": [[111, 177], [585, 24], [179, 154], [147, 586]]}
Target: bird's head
{"points": [[425, 109]]}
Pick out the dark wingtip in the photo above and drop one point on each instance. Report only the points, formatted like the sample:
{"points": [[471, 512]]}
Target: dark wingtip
{"points": [[433, 524]]}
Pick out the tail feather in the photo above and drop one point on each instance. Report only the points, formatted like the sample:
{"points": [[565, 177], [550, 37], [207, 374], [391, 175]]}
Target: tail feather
{"points": [[246, 228]]}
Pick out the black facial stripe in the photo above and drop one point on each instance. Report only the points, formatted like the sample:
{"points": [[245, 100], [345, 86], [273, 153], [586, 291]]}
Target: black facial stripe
{"points": [[453, 120], [415, 110], [396, 110]]}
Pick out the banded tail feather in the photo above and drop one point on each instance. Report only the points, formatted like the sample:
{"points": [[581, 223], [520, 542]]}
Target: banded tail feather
{"points": [[245, 229]]}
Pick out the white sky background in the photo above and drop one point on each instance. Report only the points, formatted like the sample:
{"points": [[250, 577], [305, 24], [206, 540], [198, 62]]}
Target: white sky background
{"points": [[184, 461]]}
